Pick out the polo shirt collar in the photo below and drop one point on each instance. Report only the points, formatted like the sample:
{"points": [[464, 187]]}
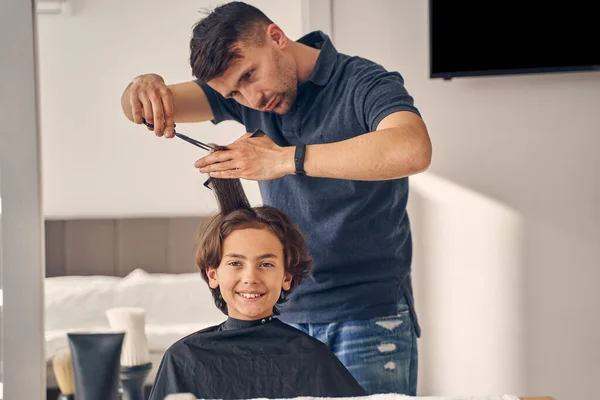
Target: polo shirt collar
{"points": [[327, 57]]}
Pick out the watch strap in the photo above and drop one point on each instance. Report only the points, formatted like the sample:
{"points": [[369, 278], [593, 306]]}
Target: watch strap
{"points": [[299, 156]]}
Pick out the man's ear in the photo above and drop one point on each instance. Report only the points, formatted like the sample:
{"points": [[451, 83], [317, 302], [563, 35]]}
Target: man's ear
{"points": [[213, 279], [287, 282], [275, 33]]}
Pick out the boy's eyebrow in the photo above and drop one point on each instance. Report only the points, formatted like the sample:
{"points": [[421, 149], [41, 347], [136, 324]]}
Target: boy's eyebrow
{"points": [[268, 255], [234, 255], [240, 256]]}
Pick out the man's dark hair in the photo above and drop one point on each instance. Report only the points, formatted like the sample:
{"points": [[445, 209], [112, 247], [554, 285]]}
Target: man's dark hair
{"points": [[215, 38]]}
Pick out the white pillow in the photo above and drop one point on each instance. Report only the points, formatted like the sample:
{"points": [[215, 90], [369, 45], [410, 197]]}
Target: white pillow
{"points": [[168, 298], [78, 302]]}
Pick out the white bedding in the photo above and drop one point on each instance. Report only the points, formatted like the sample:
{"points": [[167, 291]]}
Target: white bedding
{"points": [[175, 304], [160, 337]]}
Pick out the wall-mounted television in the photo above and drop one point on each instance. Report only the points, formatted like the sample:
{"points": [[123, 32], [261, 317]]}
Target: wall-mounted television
{"points": [[495, 37]]}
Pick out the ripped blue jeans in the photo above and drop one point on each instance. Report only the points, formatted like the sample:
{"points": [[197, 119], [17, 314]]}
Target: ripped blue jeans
{"points": [[381, 353]]}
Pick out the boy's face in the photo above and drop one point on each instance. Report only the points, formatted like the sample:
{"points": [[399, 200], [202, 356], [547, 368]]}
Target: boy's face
{"points": [[251, 274]]}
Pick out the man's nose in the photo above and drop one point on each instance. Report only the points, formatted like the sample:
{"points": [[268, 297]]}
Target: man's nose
{"points": [[254, 97]]}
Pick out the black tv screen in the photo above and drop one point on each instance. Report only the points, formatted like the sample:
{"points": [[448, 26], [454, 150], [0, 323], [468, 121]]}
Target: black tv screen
{"points": [[492, 37]]}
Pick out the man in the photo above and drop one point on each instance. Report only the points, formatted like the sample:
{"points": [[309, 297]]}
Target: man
{"points": [[343, 135]]}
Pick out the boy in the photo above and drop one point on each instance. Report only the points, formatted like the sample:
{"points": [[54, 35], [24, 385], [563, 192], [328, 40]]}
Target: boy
{"points": [[251, 258]]}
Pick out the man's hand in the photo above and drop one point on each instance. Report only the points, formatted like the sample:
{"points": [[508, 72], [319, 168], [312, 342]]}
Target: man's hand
{"points": [[250, 158], [151, 99]]}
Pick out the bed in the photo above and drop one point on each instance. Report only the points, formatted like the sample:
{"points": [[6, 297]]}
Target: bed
{"points": [[96, 264]]}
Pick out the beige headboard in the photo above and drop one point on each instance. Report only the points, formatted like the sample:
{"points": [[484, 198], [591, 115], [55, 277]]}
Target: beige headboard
{"points": [[115, 247]]}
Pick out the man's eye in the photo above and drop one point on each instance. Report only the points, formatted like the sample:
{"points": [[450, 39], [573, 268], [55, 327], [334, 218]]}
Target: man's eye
{"points": [[233, 94]]}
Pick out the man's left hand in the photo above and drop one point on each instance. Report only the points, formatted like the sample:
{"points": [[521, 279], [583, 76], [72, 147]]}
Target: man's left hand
{"points": [[250, 158]]}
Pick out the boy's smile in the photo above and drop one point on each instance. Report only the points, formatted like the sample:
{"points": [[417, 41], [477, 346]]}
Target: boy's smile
{"points": [[251, 295]]}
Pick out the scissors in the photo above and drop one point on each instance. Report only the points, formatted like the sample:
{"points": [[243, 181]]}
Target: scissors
{"points": [[197, 143], [188, 139]]}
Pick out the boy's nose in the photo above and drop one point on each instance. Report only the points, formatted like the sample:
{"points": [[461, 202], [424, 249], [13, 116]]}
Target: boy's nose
{"points": [[250, 276]]}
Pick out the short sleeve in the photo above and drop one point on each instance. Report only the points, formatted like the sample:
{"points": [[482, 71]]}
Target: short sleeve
{"points": [[379, 93], [223, 109]]}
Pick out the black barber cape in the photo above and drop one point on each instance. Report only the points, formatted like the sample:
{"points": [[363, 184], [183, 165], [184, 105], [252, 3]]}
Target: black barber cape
{"points": [[252, 359]]}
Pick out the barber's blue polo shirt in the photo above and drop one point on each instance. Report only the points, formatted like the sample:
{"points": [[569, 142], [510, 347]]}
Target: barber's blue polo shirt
{"points": [[358, 232]]}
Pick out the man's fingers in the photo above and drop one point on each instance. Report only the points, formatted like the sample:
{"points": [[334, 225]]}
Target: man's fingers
{"points": [[136, 109], [147, 108], [169, 112], [229, 174], [152, 100], [222, 166], [158, 115], [216, 157]]}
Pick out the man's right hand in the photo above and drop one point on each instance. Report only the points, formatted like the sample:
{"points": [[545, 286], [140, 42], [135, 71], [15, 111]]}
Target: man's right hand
{"points": [[151, 99], [148, 97]]}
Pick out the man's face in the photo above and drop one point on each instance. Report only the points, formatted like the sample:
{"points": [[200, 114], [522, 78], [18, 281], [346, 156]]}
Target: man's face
{"points": [[251, 274], [264, 79]]}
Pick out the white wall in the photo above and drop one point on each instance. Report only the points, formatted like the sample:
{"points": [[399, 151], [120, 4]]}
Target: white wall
{"points": [[95, 162], [507, 222]]}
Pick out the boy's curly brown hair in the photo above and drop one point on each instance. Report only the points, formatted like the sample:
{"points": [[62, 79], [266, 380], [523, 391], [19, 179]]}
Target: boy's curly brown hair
{"points": [[209, 241]]}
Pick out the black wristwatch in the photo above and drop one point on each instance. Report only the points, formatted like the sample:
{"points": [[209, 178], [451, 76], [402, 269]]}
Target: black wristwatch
{"points": [[299, 158]]}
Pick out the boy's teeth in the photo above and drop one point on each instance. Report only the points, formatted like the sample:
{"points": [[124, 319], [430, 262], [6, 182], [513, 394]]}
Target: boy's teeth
{"points": [[249, 295]]}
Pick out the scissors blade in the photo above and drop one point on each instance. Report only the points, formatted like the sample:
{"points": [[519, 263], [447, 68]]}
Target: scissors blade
{"points": [[188, 139]]}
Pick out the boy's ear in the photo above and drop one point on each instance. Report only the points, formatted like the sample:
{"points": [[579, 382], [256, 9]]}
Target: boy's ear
{"points": [[213, 280], [287, 282]]}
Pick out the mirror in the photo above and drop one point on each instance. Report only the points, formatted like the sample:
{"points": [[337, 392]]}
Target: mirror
{"points": [[121, 206]]}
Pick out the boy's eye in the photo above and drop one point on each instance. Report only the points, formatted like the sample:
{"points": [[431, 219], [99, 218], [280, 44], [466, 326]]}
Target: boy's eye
{"points": [[266, 264], [249, 74], [234, 263]]}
